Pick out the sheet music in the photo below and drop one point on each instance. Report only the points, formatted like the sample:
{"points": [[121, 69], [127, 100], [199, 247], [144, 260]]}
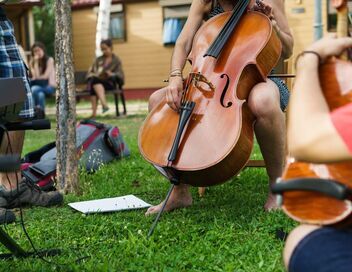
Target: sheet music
{"points": [[128, 202]]}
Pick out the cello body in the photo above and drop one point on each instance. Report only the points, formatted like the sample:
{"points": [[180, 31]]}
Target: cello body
{"points": [[316, 207], [218, 138]]}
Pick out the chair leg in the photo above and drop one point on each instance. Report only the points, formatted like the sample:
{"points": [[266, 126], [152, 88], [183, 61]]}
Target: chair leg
{"points": [[117, 104]]}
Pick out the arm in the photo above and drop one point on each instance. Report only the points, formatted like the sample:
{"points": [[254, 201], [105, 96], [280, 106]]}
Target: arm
{"points": [[34, 68], [50, 66], [280, 25], [311, 133], [92, 69], [117, 70], [182, 49]]}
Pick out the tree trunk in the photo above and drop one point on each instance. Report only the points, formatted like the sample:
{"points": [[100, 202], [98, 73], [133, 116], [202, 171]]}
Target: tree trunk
{"points": [[103, 24], [67, 172]]}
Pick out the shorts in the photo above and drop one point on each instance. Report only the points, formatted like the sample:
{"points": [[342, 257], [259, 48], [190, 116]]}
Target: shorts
{"points": [[323, 250], [284, 92], [108, 85]]}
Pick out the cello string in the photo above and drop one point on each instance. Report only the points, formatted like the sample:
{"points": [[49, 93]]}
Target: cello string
{"points": [[215, 46], [227, 30]]}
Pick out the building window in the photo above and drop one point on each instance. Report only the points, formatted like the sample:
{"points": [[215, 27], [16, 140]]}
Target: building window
{"points": [[117, 26], [117, 29], [174, 19], [172, 29]]}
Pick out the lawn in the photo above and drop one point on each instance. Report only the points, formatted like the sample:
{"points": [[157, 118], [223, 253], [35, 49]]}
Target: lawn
{"points": [[227, 230]]}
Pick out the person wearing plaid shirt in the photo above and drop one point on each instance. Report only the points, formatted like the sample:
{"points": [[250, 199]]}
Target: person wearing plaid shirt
{"points": [[11, 62], [15, 191]]}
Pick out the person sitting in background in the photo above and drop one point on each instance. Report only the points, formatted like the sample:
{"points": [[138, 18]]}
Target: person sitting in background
{"points": [[105, 72], [42, 70], [322, 137]]}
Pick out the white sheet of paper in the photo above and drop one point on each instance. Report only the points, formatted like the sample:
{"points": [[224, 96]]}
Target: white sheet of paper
{"points": [[128, 202]]}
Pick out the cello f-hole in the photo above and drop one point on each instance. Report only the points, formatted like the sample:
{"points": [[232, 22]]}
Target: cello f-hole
{"points": [[229, 104]]}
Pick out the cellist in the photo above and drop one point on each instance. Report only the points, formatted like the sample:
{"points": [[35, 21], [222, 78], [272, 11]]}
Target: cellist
{"points": [[267, 100], [323, 137]]}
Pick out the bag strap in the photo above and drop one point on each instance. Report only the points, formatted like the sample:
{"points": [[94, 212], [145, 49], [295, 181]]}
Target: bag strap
{"points": [[34, 156], [92, 122]]}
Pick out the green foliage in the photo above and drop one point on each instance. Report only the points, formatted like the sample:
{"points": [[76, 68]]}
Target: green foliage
{"points": [[227, 230], [44, 23]]}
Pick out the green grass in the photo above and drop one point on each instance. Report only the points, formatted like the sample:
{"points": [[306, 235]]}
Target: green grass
{"points": [[227, 230]]}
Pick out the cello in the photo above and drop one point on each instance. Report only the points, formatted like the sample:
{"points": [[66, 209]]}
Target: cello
{"points": [[322, 193], [210, 139]]}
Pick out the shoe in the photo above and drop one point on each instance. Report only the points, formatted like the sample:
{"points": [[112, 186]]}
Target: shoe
{"points": [[39, 113], [105, 109], [6, 216], [29, 194]]}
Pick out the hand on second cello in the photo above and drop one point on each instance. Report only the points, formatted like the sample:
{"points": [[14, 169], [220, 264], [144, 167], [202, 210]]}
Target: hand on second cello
{"points": [[330, 46]]}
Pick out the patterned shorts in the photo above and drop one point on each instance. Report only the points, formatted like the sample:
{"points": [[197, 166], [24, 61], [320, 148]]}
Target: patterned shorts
{"points": [[284, 92], [12, 65]]}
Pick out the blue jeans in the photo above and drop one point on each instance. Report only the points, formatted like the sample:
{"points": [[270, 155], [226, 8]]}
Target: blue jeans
{"points": [[39, 94]]}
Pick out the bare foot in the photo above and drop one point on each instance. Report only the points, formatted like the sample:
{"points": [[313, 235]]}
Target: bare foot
{"points": [[271, 204], [201, 191], [180, 198]]}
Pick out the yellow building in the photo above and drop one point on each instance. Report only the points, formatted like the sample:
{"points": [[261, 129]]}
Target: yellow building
{"points": [[139, 40]]}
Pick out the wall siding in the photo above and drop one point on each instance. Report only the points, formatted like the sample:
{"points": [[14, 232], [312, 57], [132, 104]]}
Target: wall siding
{"points": [[144, 58], [302, 24]]}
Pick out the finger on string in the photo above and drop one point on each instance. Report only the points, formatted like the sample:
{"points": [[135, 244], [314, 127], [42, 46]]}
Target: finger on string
{"points": [[173, 99], [176, 98], [169, 100]]}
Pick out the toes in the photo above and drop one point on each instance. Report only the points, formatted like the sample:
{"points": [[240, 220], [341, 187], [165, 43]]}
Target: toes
{"points": [[152, 210]]}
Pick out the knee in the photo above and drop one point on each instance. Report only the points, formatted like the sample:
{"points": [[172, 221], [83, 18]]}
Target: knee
{"points": [[264, 100], [41, 95], [155, 98], [294, 238]]}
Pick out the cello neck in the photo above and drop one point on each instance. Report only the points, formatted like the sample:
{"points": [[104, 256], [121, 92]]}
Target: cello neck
{"points": [[218, 44], [342, 25]]}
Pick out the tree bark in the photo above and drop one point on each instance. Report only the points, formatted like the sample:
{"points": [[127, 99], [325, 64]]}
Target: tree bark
{"points": [[67, 172], [103, 24]]}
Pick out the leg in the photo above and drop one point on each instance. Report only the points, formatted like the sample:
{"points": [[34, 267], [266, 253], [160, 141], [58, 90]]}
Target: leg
{"points": [[48, 90], [294, 238], [41, 100], [9, 180], [100, 91], [94, 102], [36, 93], [181, 196], [264, 101]]}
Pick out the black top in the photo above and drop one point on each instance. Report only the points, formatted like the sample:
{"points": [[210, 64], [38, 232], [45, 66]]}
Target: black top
{"points": [[216, 9]]}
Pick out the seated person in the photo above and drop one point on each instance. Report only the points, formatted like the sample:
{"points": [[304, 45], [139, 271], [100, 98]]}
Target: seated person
{"points": [[323, 137], [105, 72], [42, 70]]}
